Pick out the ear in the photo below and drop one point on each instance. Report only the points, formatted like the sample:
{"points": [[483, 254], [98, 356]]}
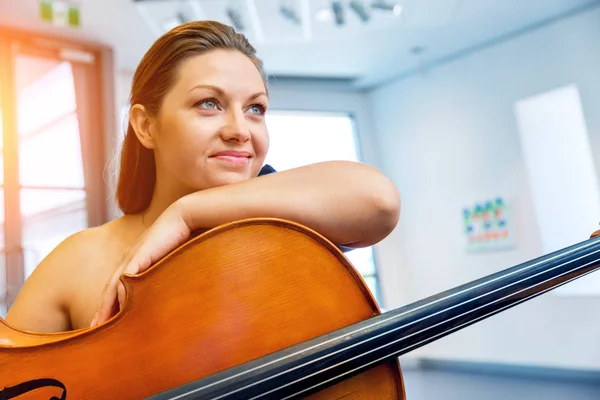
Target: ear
{"points": [[141, 123]]}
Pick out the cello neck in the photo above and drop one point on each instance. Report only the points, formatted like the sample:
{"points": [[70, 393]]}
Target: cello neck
{"points": [[310, 366]]}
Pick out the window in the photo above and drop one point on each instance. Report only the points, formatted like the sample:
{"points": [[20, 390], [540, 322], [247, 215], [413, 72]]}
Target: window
{"points": [[51, 180], [51, 174], [293, 135]]}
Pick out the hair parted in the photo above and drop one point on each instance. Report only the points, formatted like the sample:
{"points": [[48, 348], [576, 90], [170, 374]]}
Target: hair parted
{"points": [[153, 78]]}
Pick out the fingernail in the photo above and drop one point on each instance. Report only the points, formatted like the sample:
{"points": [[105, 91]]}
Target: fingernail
{"points": [[94, 320]]}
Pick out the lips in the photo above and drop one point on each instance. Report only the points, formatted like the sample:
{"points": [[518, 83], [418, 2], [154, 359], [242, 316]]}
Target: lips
{"points": [[234, 158], [231, 153]]}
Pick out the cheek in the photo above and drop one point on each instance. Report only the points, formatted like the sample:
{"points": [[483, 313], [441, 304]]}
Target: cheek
{"points": [[176, 146], [261, 142], [184, 136]]}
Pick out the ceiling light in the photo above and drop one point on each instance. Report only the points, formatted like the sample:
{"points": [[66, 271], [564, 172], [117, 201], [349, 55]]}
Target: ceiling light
{"points": [[338, 12], [324, 15], [396, 8], [289, 13], [173, 21], [235, 18], [360, 10]]}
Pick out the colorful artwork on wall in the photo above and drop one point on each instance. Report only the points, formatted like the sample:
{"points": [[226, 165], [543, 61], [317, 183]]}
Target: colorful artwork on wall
{"points": [[61, 12], [487, 226]]}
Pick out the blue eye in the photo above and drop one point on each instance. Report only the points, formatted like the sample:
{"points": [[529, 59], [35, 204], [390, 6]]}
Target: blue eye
{"points": [[210, 104], [257, 109]]}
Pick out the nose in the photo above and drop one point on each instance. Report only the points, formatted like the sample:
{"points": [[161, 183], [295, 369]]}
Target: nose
{"points": [[236, 128]]}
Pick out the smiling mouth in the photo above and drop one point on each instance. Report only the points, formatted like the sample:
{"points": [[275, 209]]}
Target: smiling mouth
{"points": [[233, 159]]}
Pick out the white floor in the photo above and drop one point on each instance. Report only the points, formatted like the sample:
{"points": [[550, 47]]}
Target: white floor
{"points": [[449, 385]]}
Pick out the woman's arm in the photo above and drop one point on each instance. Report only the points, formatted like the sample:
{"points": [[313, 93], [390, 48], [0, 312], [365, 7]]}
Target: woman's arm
{"points": [[349, 203]]}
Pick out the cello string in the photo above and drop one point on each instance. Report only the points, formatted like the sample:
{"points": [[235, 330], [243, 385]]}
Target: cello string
{"points": [[433, 337], [582, 246], [421, 331], [391, 318], [314, 360]]}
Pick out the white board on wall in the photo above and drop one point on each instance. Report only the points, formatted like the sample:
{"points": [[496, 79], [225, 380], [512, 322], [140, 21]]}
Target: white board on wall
{"points": [[562, 174]]}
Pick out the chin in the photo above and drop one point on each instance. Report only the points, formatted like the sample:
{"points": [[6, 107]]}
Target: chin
{"points": [[227, 178]]}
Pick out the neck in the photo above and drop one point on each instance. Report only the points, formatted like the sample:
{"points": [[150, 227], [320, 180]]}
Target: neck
{"points": [[166, 192]]}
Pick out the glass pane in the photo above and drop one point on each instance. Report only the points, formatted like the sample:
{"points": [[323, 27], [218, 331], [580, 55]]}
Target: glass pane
{"points": [[49, 144], [372, 284], [45, 91], [36, 202], [39, 160], [293, 136], [362, 260], [49, 217]]}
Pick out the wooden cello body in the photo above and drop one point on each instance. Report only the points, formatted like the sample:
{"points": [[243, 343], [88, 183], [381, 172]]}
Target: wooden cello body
{"points": [[230, 295]]}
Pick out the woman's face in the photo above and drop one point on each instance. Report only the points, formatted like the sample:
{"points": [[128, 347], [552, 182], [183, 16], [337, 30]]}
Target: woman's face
{"points": [[210, 130]]}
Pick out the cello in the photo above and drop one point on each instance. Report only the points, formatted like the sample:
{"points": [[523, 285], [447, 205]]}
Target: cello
{"points": [[260, 309]]}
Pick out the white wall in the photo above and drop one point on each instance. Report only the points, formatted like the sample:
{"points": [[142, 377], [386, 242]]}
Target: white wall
{"points": [[449, 139]]}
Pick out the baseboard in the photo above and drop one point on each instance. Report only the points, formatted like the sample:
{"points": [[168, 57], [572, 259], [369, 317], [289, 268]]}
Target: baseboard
{"points": [[510, 370]]}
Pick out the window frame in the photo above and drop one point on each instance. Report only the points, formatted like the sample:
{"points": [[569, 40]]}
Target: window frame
{"points": [[97, 127]]}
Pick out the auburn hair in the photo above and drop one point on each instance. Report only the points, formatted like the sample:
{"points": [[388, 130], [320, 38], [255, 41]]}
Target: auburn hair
{"points": [[153, 78]]}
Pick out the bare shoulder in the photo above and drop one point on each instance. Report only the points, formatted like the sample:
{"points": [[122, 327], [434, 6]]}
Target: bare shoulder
{"points": [[56, 297]]}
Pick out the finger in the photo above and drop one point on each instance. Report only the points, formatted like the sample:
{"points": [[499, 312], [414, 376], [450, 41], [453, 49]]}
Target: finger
{"points": [[99, 306], [109, 303], [132, 268], [94, 320], [108, 300], [120, 296]]}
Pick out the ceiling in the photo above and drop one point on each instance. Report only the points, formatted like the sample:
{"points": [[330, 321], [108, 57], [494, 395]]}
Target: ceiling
{"points": [[366, 53]]}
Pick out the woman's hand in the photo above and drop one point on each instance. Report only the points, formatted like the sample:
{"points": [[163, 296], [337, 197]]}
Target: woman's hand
{"points": [[349, 203], [168, 232]]}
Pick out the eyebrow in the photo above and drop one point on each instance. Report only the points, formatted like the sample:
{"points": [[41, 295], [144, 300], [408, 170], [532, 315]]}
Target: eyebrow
{"points": [[222, 92]]}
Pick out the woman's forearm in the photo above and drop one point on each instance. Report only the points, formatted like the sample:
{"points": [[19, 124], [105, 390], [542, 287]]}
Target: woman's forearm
{"points": [[349, 203]]}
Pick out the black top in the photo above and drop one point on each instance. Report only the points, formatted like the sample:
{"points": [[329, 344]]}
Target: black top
{"points": [[266, 170]]}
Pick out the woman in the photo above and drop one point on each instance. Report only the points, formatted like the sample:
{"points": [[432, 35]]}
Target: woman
{"points": [[190, 161]]}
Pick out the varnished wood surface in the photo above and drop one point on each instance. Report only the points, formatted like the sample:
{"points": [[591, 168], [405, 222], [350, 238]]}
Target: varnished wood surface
{"points": [[228, 296]]}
